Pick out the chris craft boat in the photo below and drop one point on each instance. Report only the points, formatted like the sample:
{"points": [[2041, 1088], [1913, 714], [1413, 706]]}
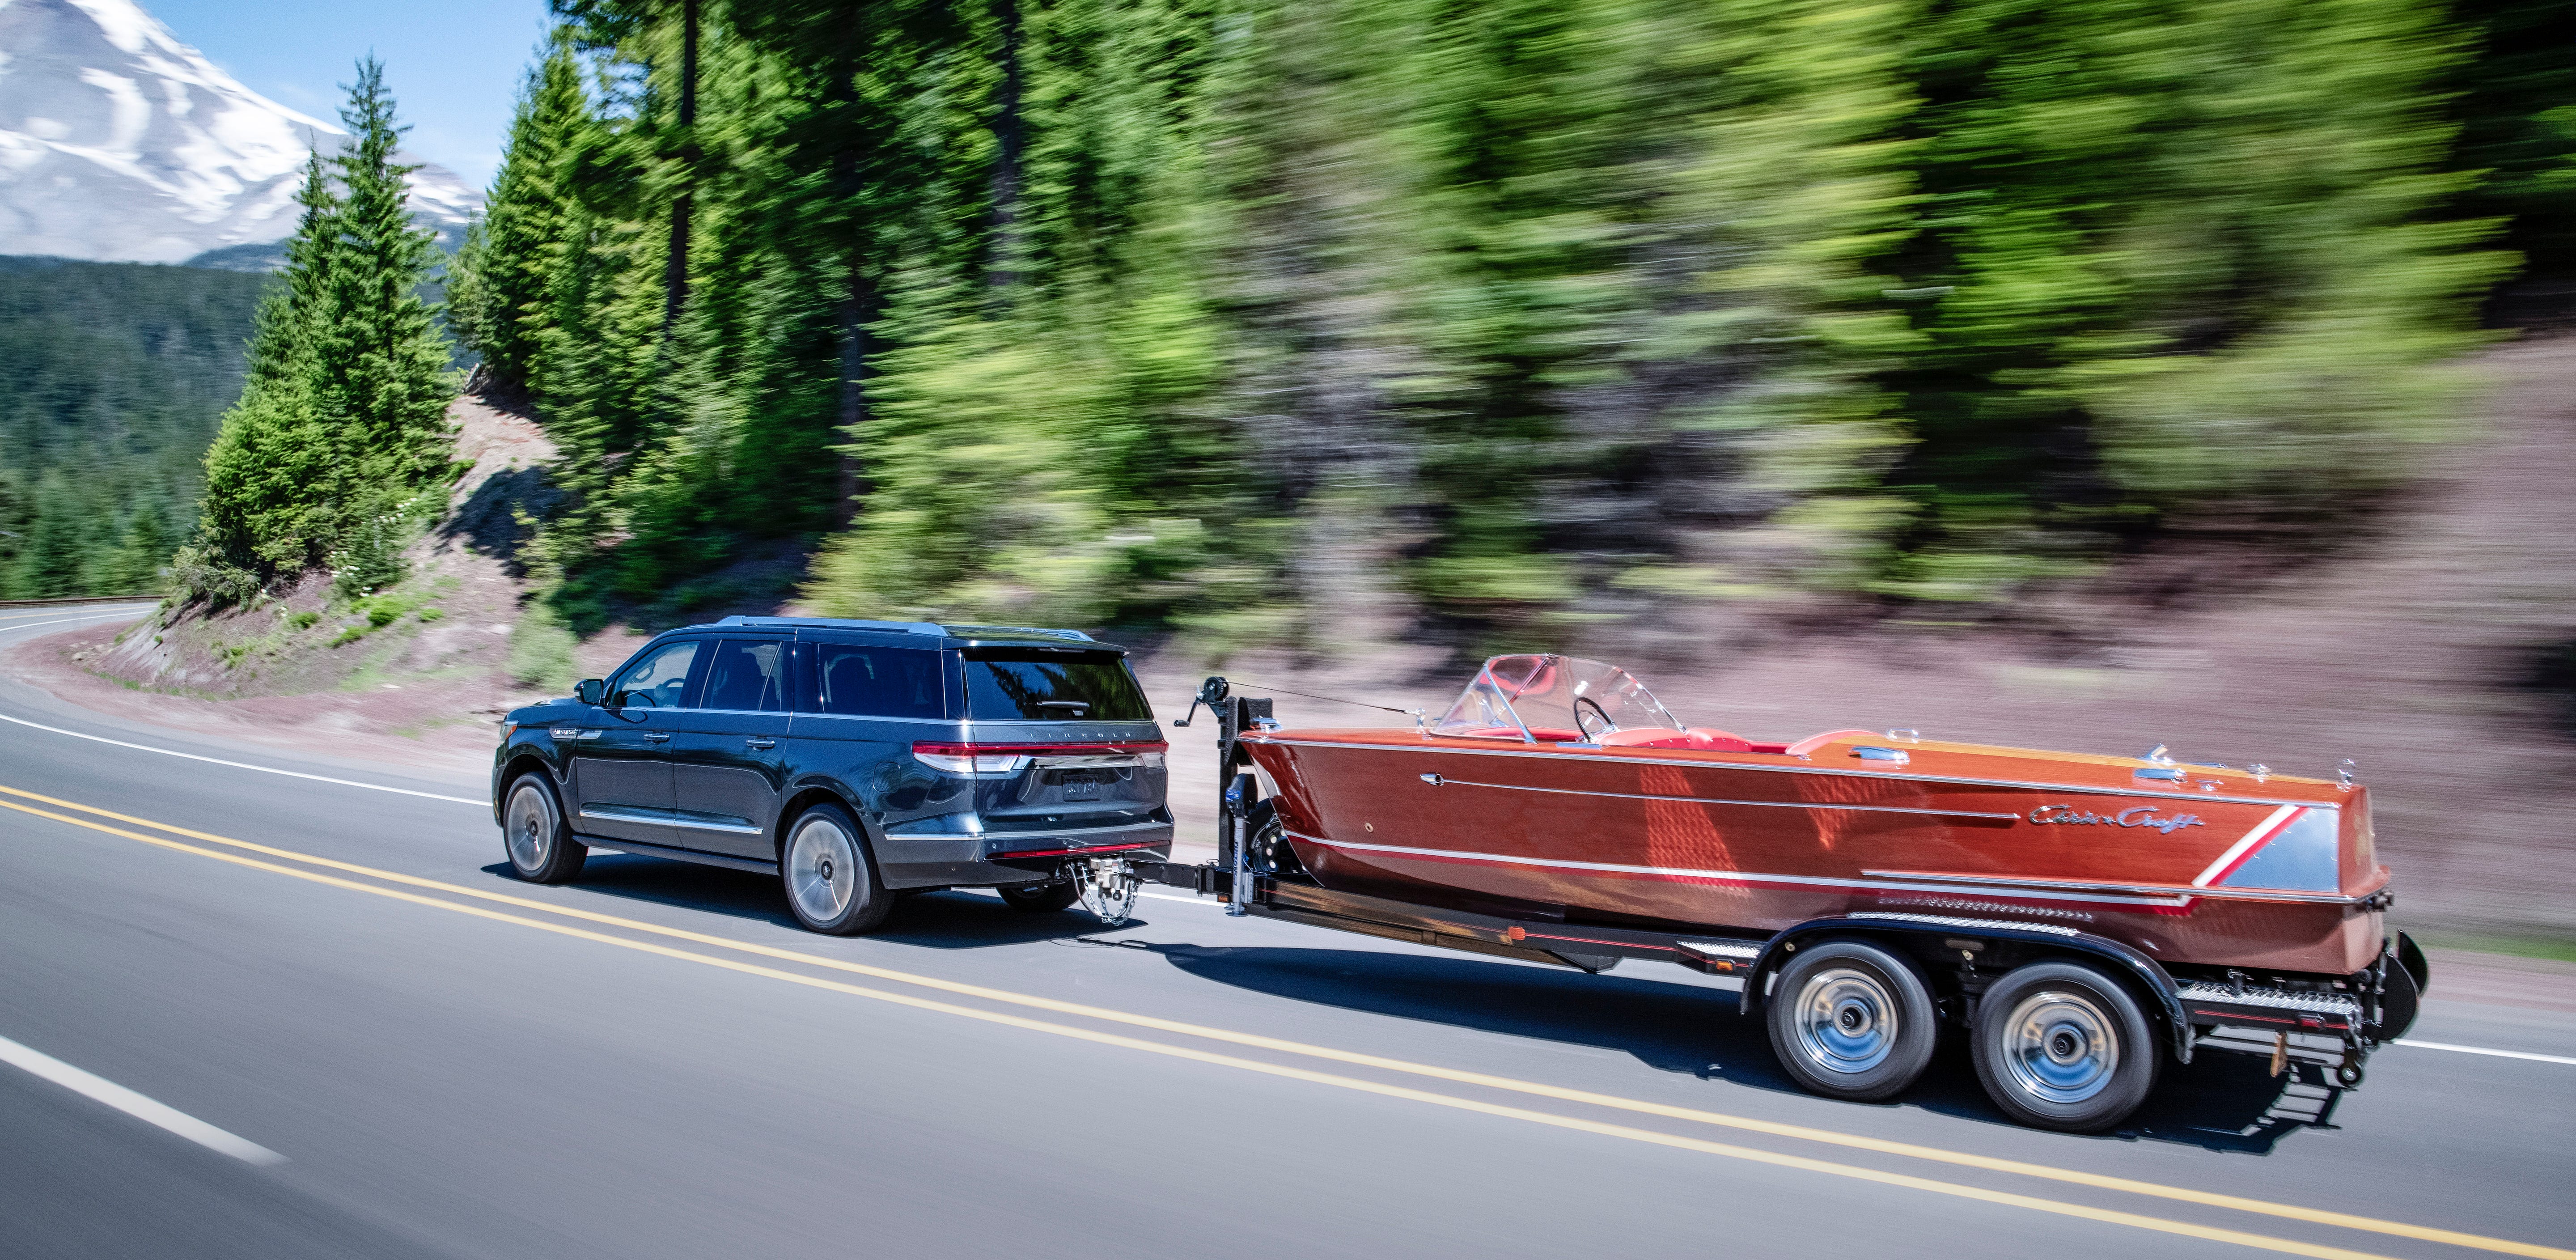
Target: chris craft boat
{"points": [[1558, 796]]}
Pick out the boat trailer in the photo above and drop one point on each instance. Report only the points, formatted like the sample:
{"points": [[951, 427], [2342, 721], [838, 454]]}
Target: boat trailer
{"points": [[2330, 1025]]}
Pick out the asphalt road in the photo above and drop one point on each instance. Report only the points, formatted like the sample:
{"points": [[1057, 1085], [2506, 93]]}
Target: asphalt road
{"points": [[656, 1062]]}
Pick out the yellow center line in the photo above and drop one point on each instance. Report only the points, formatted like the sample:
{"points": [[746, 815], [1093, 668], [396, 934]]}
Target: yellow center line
{"points": [[1825, 1136]]}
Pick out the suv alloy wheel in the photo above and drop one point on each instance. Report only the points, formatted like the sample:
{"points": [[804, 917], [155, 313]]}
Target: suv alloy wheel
{"points": [[831, 885]]}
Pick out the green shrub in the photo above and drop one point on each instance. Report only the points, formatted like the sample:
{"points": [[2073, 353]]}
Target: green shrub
{"points": [[540, 648]]}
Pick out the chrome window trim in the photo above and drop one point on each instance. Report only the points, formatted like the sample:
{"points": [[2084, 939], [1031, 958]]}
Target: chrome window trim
{"points": [[867, 717], [1769, 769]]}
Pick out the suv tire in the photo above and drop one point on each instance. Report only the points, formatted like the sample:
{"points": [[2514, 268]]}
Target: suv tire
{"points": [[534, 836], [2059, 1045], [830, 880], [1851, 1020], [1039, 898]]}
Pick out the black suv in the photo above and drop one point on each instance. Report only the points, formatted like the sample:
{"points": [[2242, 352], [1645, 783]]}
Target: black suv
{"points": [[856, 759]]}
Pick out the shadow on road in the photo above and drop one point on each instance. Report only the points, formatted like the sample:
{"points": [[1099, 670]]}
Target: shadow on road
{"points": [[940, 920], [2221, 1102]]}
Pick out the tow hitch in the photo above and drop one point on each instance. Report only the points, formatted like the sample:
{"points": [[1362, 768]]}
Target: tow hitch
{"points": [[1107, 887]]}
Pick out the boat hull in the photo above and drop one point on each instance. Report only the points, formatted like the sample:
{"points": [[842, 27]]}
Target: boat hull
{"points": [[2217, 868]]}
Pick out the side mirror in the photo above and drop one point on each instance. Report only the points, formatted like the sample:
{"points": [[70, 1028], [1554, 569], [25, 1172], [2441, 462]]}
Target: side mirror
{"points": [[590, 690]]}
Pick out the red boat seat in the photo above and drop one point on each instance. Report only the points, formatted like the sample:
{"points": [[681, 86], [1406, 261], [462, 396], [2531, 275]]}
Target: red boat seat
{"points": [[1814, 742], [1696, 737]]}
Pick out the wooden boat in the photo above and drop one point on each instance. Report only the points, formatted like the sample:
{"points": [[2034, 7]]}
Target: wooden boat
{"points": [[1560, 785], [1558, 807]]}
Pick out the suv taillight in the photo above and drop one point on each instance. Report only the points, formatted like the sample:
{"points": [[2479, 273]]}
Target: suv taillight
{"points": [[978, 758]]}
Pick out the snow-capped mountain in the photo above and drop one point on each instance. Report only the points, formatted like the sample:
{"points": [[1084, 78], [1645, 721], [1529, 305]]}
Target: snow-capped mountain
{"points": [[119, 143]]}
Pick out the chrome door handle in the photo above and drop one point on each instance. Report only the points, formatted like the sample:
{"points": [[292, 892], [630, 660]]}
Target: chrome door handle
{"points": [[657, 737], [760, 743]]}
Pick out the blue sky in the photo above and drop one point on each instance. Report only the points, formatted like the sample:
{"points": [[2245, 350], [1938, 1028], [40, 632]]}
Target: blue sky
{"points": [[453, 65]]}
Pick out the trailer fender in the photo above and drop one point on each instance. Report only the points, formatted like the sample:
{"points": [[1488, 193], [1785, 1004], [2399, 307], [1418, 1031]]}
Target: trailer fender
{"points": [[2150, 978]]}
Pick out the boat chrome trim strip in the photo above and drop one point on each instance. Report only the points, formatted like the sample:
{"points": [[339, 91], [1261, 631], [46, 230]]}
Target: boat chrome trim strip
{"points": [[2000, 885], [1711, 800], [1882, 775], [2161, 899], [1952, 920]]}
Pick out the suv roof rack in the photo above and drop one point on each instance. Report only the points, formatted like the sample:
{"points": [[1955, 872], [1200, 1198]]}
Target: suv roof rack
{"points": [[835, 623], [969, 631]]}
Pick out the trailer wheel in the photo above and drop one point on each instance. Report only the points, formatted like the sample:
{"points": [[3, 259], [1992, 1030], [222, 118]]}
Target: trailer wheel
{"points": [[1039, 898], [2059, 1045], [1851, 1020]]}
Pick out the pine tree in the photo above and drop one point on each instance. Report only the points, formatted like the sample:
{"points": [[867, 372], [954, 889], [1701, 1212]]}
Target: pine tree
{"points": [[379, 363], [503, 310], [343, 416], [273, 479]]}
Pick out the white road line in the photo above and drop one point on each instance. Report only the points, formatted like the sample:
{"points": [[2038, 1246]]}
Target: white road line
{"points": [[244, 765], [64, 621], [237, 765], [136, 1105], [2501, 1054]]}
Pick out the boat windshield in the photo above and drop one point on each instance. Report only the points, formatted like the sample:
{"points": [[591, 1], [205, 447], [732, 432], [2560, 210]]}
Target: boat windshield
{"points": [[1551, 697]]}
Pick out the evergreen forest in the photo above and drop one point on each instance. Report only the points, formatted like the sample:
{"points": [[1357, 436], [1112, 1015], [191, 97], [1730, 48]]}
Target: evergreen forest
{"points": [[113, 377], [1224, 314]]}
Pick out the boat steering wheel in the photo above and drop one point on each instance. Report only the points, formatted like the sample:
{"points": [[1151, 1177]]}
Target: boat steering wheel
{"points": [[1588, 711]]}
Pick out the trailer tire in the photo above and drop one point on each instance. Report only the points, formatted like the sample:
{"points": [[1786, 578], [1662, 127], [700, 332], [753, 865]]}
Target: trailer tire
{"points": [[1851, 1020], [2059, 1045], [1039, 898]]}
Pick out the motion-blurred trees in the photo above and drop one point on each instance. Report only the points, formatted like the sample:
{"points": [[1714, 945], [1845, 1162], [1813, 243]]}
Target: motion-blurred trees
{"points": [[1534, 315], [2174, 257]]}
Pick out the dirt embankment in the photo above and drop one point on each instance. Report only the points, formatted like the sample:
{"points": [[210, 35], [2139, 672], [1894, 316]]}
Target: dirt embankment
{"points": [[2411, 653]]}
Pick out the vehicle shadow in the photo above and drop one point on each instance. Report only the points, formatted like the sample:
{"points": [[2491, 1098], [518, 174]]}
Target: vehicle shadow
{"points": [[2220, 1102], [940, 920]]}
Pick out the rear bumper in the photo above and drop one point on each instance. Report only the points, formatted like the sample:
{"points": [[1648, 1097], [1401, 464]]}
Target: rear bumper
{"points": [[1010, 858]]}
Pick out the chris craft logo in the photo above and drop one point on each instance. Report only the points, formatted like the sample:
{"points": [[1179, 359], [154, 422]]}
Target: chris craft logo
{"points": [[2133, 816]]}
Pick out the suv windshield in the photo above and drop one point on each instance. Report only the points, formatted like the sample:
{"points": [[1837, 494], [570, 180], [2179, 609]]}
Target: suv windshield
{"points": [[1043, 685], [1553, 697]]}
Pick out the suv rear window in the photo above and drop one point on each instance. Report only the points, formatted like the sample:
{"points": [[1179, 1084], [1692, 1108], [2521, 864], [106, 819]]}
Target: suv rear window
{"points": [[861, 681], [1038, 685]]}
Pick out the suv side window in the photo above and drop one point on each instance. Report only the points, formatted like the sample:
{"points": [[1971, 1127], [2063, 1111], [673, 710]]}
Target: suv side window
{"points": [[659, 681], [855, 680], [748, 675]]}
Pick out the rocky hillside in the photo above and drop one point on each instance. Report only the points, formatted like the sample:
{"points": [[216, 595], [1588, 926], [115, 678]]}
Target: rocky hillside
{"points": [[437, 646]]}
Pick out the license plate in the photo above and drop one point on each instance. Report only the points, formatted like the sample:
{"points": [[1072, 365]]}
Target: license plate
{"points": [[1082, 791]]}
